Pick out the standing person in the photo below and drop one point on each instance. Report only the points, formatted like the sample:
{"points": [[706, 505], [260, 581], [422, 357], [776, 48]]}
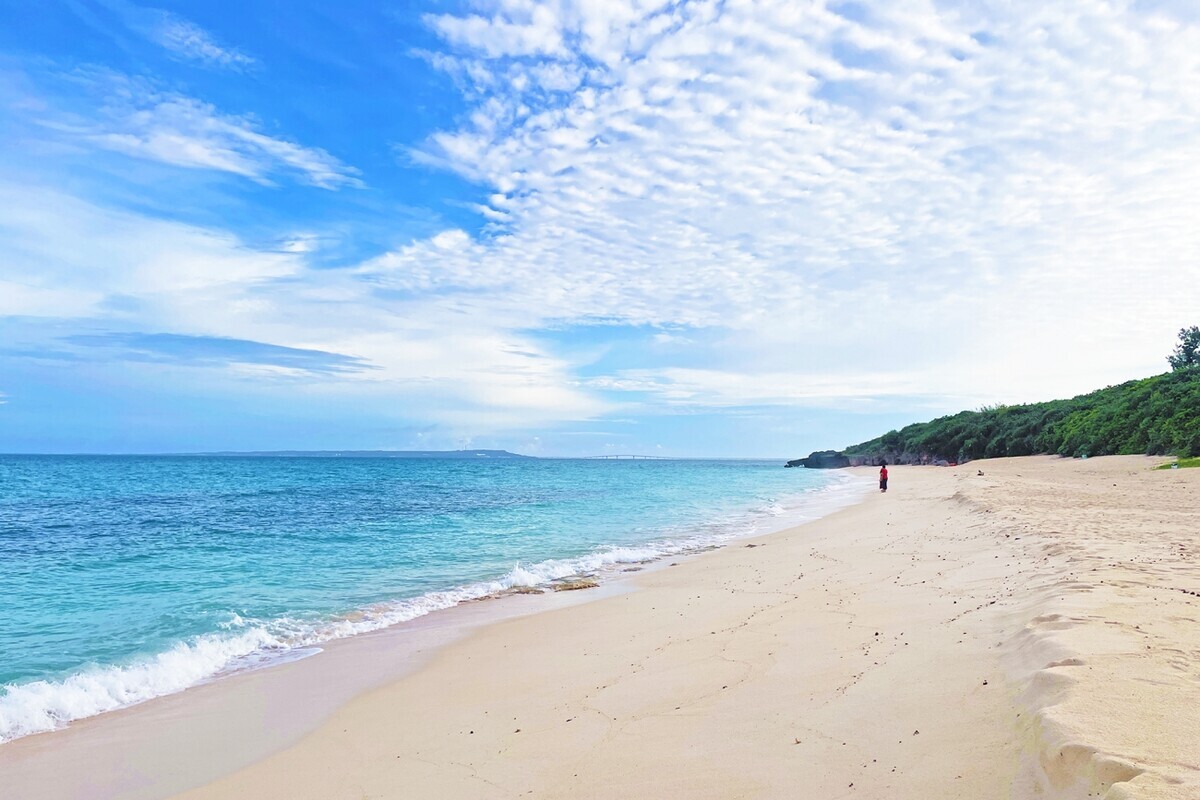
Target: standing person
{"points": [[883, 476]]}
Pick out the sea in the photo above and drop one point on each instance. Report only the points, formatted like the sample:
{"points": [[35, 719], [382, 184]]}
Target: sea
{"points": [[124, 578]]}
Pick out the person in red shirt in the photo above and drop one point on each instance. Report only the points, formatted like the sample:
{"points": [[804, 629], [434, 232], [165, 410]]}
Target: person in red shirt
{"points": [[883, 476]]}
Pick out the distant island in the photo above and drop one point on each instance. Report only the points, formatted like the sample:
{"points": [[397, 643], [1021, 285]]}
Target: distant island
{"points": [[460, 454]]}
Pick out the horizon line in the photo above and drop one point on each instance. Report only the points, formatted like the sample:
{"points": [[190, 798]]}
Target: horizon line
{"points": [[336, 452]]}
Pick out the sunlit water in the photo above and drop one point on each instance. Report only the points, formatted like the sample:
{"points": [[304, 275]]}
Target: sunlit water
{"points": [[126, 578]]}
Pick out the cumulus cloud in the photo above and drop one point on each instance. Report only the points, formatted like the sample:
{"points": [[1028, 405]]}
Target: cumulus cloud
{"points": [[1004, 176], [520, 30]]}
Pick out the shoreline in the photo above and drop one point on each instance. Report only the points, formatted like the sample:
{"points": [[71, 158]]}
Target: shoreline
{"points": [[34, 707], [1029, 632], [176, 742], [786, 665], [90, 756]]}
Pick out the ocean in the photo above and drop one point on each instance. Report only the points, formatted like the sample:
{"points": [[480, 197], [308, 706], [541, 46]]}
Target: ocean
{"points": [[123, 578]]}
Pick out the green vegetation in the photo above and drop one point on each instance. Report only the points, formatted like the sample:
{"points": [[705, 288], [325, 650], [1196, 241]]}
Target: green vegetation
{"points": [[1187, 352], [1156, 416], [1183, 463]]}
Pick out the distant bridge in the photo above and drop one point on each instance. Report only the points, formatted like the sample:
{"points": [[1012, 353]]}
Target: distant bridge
{"points": [[624, 455]]}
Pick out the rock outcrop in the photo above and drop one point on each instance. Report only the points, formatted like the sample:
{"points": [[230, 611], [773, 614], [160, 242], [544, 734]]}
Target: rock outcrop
{"points": [[574, 584], [822, 459]]}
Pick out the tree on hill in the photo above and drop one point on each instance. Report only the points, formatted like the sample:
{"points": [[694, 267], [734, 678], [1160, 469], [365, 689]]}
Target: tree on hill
{"points": [[1187, 352]]}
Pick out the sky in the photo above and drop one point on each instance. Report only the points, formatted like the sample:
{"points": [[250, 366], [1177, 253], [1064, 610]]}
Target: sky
{"points": [[581, 227]]}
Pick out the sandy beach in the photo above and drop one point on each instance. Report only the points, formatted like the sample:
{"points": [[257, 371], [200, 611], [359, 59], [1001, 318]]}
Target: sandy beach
{"points": [[1028, 632]]}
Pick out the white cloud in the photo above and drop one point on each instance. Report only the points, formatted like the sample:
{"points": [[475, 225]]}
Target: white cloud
{"points": [[75, 266], [940, 202], [962, 190], [78, 256], [300, 243], [136, 117], [191, 41], [180, 36], [520, 30], [188, 133], [720, 388]]}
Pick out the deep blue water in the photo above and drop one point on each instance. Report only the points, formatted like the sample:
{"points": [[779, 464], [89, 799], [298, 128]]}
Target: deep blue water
{"points": [[124, 578]]}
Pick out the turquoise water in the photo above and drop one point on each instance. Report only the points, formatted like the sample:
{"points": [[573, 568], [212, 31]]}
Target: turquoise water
{"points": [[125, 578]]}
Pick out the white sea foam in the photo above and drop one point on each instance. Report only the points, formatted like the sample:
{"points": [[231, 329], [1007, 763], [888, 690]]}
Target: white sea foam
{"points": [[45, 705], [40, 706]]}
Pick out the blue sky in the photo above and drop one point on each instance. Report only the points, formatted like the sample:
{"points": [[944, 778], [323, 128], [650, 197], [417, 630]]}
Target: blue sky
{"points": [[571, 228]]}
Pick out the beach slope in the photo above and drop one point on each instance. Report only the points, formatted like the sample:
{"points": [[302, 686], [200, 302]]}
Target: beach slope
{"points": [[1027, 632], [841, 658]]}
